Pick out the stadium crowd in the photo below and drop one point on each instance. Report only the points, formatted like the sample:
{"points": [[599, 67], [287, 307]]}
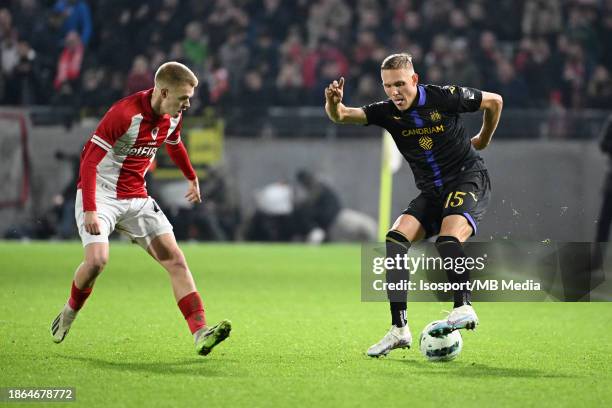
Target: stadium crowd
{"points": [[258, 53]]}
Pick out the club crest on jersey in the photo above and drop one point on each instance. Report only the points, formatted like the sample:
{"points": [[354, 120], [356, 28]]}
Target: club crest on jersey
{"points": [[426, 142], [154, 132], [435, 116]]}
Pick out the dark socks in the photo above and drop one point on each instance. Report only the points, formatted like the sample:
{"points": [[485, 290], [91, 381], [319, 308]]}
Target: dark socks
{"points": [[450, 247], [397, 244]]}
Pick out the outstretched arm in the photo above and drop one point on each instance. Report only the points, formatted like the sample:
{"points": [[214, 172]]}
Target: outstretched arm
{"points": [[336, 110], [492, 105]]}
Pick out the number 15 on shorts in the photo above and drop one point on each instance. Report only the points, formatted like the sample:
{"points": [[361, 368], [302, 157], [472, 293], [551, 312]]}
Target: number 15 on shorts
{"points": [[455, 199]]}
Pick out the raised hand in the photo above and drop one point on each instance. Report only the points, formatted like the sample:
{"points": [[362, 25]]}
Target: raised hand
{"points": [[334, 92]]}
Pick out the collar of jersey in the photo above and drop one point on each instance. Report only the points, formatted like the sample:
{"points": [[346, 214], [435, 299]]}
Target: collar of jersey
{"points": [[147, 109]]}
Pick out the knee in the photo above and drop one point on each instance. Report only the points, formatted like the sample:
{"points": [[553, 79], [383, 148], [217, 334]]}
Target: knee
{"points": [[176, 261], [96, 262]]}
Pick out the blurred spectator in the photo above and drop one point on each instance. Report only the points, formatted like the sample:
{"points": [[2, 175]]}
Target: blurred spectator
{"points": [[6, 24], [97, 96], [316, 208], [512, 86], [575, 74], [273, 16], [165, 28], [541, 73], [225, 18], [253, 100], [9, 54], [322, 64], [486, 57], [195, 45], [599, 89], [326, 16], [434, 75], [67, 82], [368, 90], [416, 31], [234, 56], [22, 87], [463, 69], [74, 16], [289, 83], [69, 64], [459, 24], [581, 31], [554, 45], [140, 76], [264, 57], [273, 216], [218, 82], [542, 17], [440, 54], [31, 23], [217, 218]]}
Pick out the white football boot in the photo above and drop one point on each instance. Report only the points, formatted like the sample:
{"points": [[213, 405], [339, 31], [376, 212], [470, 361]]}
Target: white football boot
{"points": [[396, 337], [462, 317], [62, 323], [207, 338]]}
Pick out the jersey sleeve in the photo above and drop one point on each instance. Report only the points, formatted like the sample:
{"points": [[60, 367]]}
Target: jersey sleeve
{"points": [[457, 99], [375, 113], [179, 156], [174, 138], [112, 126]]}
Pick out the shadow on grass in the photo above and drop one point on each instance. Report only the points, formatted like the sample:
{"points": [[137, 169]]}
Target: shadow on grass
{"points": [[477, 370], [197, 367]]}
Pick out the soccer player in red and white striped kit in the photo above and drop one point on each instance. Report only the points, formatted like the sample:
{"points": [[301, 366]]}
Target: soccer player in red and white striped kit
{"points": [[111, 194]]}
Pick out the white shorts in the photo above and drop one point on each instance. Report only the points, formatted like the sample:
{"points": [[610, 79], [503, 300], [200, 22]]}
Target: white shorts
{"points": [[141, 219]]}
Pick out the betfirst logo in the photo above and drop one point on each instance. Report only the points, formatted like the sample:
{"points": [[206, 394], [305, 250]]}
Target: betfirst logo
{"points": [[146, 151]]}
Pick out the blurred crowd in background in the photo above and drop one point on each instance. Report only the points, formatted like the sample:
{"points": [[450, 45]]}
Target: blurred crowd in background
{"points": [[259, 53], [80, 56]]}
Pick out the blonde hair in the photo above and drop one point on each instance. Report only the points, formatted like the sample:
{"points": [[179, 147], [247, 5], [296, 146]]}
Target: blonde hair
{"points": [[397, 61], [174, 74]]}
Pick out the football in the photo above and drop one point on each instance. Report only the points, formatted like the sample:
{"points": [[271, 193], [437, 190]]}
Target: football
{"points": [[444, 348]]}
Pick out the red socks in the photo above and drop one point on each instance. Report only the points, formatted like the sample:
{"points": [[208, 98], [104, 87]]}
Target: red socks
{"points": [[192, 308], [78, 297]]}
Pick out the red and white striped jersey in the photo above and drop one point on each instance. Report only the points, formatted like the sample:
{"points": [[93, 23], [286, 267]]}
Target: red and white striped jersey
{"points": [[130, 133]]}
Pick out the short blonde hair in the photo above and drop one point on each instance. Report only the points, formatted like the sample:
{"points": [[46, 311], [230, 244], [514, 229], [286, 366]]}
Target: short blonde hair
{"points": [[397, 61], [174, 74]]}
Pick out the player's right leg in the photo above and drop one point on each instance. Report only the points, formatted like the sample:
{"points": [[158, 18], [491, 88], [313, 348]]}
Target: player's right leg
{"points": [[96, 257], [405, 230], [96, 250]]}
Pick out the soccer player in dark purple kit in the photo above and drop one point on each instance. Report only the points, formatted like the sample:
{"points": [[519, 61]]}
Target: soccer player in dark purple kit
{"points": [[455, 188]]}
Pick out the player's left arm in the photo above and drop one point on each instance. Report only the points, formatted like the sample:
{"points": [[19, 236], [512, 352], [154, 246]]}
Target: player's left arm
{"points": [[492, 105], [178, 153]]}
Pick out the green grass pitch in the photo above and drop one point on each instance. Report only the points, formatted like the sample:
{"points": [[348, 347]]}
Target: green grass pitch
{"points": [[299, 337]]}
